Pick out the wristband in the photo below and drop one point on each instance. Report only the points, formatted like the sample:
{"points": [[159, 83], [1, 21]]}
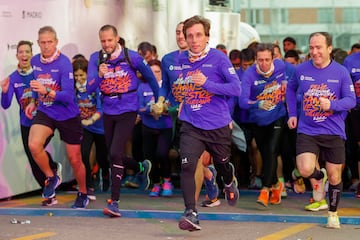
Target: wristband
{"points": [[48, 90]]}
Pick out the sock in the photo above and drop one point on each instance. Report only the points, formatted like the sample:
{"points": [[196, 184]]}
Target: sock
{"points": [[334, 196]]}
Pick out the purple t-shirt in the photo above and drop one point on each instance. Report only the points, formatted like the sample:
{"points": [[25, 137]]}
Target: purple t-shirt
{"points": [[58, 76], [206, 107], [332, 82]]}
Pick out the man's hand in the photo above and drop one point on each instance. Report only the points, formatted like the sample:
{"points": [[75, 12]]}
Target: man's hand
{"points": [[324, 103], [37, 87], [30, 108], [198, 78], [5, 85], [292, 122], [159, 107], [266, 105], [103, 69]]}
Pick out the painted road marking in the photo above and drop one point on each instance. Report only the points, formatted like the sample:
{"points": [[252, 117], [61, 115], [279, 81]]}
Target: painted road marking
{"points": [[287, 232], [36, 236]]}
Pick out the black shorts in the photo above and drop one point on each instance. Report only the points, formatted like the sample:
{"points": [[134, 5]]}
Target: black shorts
{"points": [[70, 130], [329, 148]]}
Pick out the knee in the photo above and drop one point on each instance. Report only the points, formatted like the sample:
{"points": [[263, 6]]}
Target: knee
{"points": [[305, 171], [334, 179], [35, 147]]}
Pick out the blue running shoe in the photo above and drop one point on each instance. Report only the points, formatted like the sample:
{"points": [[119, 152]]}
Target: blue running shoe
{"points": [[51, 183], [167, 189], [81, 201], [212, 189], [143, 176], [112, 209], [232, 194], [189, 221], [155, 191]]}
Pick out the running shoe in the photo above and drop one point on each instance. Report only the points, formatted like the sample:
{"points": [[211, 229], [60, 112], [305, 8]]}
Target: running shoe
{"points": [[49, 201], [319, 187], [143, 176], [131, 182], [112, 209], [51, 183], [189, 221], [233, 173], [255, 183], [317, 206], [211, 203], [81, 201], [155, 191], [212, 189], [299, 185], [232, 194], [333, 220], [91, 194], [167, 189], [263, 198], [275, 197], [58, 171]]}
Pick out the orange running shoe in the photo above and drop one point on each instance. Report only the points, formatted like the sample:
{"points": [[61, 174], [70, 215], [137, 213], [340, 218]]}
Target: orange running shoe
{"points": [[276, 193], [263, 198]]}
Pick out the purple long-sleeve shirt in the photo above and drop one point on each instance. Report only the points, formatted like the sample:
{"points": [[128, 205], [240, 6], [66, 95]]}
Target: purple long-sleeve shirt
{"points": [[332, 82], [58, 76], [256, 88], [205, 106], [121, 81], [352, 63], [20, 86]]}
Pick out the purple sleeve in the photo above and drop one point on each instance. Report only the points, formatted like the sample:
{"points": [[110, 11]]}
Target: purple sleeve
{"points": [[290, 97], [348, 99], [244, 100], [232, 85], [7, 97], [93, 79], [66, 94]]}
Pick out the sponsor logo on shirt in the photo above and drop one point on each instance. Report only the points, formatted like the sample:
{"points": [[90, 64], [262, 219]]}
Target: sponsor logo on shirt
{"points": [[17, 85], [355, 70], [54, 70], [333, 80], [207, 65], [231, 70], [176, 68], [36, 68], [306, 78], [184, 66]]}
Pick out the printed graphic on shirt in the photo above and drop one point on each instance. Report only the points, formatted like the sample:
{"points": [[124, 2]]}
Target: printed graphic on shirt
{"points": [[311, 102], [178, 88], [116, 80], [272, 92], [195, 95], [87, 106], [25, 98], [47, 80]]}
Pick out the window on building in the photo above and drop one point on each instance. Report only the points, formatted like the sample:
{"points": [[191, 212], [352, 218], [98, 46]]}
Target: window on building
{"points": [[350, 15], [220, 3], [255, 16], [284, 16], [326, 15]]}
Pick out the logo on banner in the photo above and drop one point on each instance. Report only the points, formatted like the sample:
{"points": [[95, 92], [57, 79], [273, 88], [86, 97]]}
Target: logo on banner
{"points": [[31, 14], [5, 14], [11, 46]]}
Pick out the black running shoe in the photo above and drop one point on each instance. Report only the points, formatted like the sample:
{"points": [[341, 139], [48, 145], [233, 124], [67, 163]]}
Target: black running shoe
{"points": [[189, 221]]}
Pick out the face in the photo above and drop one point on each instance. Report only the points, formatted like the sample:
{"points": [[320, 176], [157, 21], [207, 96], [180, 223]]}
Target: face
{"points": [[291, 60], [196, 39], [148, 56], [108, 40], [236, 63], [319, 51], [24, 55], [277, 53], [157, 72], [80, 76], [47, 42], [180, 38], [264, 60], [288, 46], [246, 64]]}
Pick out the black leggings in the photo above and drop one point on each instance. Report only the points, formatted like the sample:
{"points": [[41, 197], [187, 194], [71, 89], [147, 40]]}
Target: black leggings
{"points": [[156, 145], [38, 174], [118, 129], [101, 154], [268, 141]]}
